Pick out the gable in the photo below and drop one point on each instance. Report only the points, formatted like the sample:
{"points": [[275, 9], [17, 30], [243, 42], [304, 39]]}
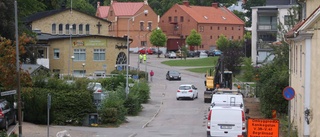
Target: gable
{"points": [[126, 8]]}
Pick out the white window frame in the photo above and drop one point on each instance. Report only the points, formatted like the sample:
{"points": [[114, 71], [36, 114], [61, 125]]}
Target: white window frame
{"points": [[99, 54], [79, 54], [56, 53]]}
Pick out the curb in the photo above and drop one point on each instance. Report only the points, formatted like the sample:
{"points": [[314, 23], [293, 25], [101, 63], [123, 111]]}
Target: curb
{"points": [[146, 124]]}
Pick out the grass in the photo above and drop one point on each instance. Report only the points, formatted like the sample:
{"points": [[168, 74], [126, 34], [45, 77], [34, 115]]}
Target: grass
{"points": [[201, 62], [200, 69]]}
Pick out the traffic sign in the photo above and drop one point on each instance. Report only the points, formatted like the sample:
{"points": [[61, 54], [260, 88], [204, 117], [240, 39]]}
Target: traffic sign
{"points": [[10, 92], [263, 127], [288, 93]]}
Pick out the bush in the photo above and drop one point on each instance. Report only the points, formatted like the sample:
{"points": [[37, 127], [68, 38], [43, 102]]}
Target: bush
{"points": [[133, 104], [112, 109], [141, 89]]}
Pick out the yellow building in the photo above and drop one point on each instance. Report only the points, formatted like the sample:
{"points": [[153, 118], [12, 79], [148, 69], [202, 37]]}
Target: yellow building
{"points": [[71, 42], [304, 66]]}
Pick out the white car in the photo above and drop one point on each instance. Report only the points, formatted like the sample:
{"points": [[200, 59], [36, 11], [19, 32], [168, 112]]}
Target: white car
{"points": [[187, 91], [95, 86], [172, 55]]}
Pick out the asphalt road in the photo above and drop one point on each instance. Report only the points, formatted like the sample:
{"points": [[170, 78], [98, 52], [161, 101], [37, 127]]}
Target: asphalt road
{"points": [[162, 116]]}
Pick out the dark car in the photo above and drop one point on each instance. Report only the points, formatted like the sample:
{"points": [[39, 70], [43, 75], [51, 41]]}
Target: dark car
{"points": [[191, 54], [173, 75], [156, 51], [7, 114]]}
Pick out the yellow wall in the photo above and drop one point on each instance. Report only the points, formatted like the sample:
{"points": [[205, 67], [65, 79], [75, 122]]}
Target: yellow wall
{"points": [[91, 66], [45, 24]]}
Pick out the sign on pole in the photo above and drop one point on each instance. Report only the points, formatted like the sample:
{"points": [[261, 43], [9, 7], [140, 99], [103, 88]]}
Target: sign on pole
{"points": [[10, 92], [263, 127], [288, 93]]}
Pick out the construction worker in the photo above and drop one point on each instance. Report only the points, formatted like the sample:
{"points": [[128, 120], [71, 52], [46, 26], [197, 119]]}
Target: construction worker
{"points": [[145, 58], [140, 57]]}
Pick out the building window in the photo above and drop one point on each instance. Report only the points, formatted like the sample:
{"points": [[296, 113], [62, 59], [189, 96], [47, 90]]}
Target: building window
{"points": [[87, 29], [201, 29], [239, 37], [218, 28], [225, 28], [79, 54], [53, 28], [80, 29], [60, 29], [181, 19], [175, 19], [141, 26], [67, 29], [56, 53], [74, 28], [143, 43], [99, 54], [231, 37], [288, 20], [170, 19], [239, 28], [210, 37], [232, 28], [149, 26], [111, 13], [211, 28]]}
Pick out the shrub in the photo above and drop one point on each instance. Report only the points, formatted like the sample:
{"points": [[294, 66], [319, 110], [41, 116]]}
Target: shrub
{"points": [[133, 104], [141, 89]]}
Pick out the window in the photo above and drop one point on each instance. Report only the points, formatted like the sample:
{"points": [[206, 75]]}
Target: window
{"points": [[201, 28], [67, 29], [231, 37], [74, 28], [60, 29], [53, 28], [218, 28], [175, 19], [80, 29], [288, 20], [56, 53], [87, 29], [211, 28], [170, 19], [99, 54], [210, 37], [79, 54], [225, 28], [141, 25], [181, 19], [149, 26], [143, 43], [232, 28]]}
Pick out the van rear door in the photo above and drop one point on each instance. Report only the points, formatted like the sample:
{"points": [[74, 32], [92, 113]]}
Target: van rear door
{"points": [[226, 122]]}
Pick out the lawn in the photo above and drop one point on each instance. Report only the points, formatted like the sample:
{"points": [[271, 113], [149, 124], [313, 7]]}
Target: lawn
{"points": [[201, 62]]}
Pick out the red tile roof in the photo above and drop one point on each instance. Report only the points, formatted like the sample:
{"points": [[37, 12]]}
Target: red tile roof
{"points": [[205, 14], [126, 8], [102, 11]]}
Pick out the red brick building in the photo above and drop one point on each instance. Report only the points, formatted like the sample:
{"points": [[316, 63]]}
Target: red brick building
{"points": [[140, 24], [209, 21]]}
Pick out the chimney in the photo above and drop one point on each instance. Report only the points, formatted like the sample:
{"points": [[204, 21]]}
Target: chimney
{"points": [[215, 5], [186, 3], [98, 4]]}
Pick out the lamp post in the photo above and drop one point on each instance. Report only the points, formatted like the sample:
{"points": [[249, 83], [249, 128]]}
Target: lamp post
{"points": [[72, 57], [83, 64], [70, 31], [128, 50]]}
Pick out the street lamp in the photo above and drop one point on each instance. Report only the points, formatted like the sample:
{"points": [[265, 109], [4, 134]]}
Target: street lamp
{"points": [[83, 64], [72, 57], [70, 31], [145, 12]]}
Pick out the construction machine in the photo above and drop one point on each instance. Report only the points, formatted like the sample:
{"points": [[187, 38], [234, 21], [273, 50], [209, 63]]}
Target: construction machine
{"points": [[217, 77]]}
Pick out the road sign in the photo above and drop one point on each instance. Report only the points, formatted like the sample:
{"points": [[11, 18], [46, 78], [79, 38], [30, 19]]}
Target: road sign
{"points": [[119, 68], [10, 92], [263, 127], [288, 93]]}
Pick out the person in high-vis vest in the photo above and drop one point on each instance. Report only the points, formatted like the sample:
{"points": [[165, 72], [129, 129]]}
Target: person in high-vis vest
{"points": [[145, 58], [140, 58]]}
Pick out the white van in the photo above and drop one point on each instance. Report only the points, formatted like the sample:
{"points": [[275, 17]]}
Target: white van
{"points": [[227, 98], [225, 120]]}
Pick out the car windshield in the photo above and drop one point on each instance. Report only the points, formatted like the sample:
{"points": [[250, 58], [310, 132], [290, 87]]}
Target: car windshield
{"points": [[184, 87], [174, 72]]}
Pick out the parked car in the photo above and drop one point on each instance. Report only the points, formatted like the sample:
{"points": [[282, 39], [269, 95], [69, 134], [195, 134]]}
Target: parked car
{"points": [[217, 53], [156, 51], [170, 55], [95, 87], [191, 54], [144, 51], [187, 91], [7, 114], [173, 75]]}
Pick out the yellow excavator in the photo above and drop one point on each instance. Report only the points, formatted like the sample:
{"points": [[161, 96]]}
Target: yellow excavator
{"points": [[217, 77]]}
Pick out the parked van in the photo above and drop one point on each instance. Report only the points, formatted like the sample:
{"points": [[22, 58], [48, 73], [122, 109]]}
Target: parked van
{"points": [[225, 120]]}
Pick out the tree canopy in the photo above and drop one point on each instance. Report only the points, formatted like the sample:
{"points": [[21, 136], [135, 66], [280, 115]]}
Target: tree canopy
{"points": [[158, 38], [194, 39]]}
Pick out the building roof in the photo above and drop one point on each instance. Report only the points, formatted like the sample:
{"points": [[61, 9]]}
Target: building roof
{"points": [[44, 14], [205, 14], [126, 8], [47, 36], [102, 11], [33, 68]]}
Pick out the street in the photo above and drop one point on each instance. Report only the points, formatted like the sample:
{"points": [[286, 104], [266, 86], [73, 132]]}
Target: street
{"points": [[163, 115]]}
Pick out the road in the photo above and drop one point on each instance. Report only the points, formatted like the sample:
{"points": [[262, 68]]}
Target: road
{"points": [[162, 116]]}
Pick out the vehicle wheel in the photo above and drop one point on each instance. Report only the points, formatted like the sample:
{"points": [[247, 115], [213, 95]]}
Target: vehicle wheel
{"points": [[197, 95], [7, 125], [192, 97], [178, 99]]}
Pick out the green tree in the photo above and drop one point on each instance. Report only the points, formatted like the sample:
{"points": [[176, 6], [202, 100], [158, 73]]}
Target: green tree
{"points": [[247, 6], [241, 15], [194, 39], [158, 38], [82, 5]]}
